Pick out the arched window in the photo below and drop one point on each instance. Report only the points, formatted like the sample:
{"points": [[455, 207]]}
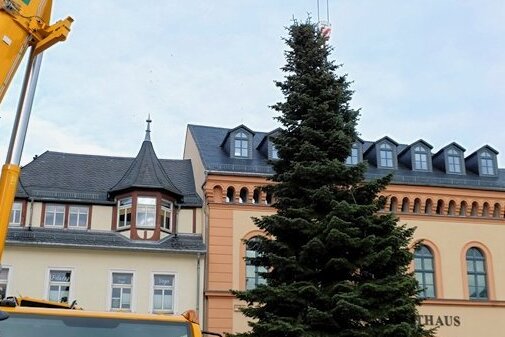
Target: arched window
{"points": [[497, 210], [475, 209], [429, 206], [269, 198], [453, 161], [485, 210], [256, 196], [476, 272], [425, 271], [462, 209], [452, 208], [405, 205], [393, 206], [241, 145], [243, 195], [417, 205], [230, 194], [386, 155], [486, 163], [440, 207], [420, 158], [253, 276]]}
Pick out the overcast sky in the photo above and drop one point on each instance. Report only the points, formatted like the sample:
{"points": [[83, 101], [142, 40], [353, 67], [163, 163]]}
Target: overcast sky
{"points": [[421, 69]]}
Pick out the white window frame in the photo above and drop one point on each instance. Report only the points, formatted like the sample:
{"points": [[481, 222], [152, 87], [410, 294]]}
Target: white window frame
{"points": [[274, 152], [8, 280], [72, 281], [487, 165], [132, 293], [174, 293], [387, 149], [166, 212], [353, 158], [146, 208], [241, 145], [54, 212], [125, 207], [456, 162], [79, 214], [17, 208], [422, 153]]}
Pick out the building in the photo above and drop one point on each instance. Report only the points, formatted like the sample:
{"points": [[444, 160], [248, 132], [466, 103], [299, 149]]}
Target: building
{"points": [[457, 203], [112, 233]]}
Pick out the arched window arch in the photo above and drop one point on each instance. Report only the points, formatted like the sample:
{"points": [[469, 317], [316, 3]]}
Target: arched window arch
{"points": [[476, 274], [440, 207], [497, 210], [244, 193], [485, 210], [405, 205], [452, 208], [393, 206], [429, 206], [256, 196], [241, 145], [230, 194], [253, 273], [463, 208], [417, 205], [475, 209], [424, 269], [218, 194]]}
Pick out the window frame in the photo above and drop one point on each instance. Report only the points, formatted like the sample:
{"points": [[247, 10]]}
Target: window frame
{"points": [[14, 210], [258, 279], [241, 142], [350, 159], [77, 226], [453, 153], [475, 274], [132, 290], [125, 207], [173, 288], [424, 271], [7, 280], [421, 150], [146, 207], [163, 214], [53, 225], [386, 147], [489, 159], [70, 283]]}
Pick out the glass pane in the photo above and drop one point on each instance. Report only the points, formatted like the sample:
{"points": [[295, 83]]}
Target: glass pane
{"points": [[49, 220], [481, 280], [473, 292], [469, 266], [54, 293], [4, 273], [126, 299], [157, 299], [58, 221], [472, 281], [64, 292], [83, 220], [163, 280], [250, 271], [429, 291], [167, 300], [59, 276], [479, 266], [72, 219], [116, 292], [418, 263], [428, 264], [482, 291], [419, 279], [146, 201], [122, 278], [125, 202], [428, 277]]}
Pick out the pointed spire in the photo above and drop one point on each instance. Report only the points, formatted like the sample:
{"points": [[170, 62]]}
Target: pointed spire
{"points": [[148, 130]]}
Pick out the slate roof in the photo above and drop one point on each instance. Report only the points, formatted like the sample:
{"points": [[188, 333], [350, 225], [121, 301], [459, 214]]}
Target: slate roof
{"points": [[181, 243], [146, 171], [215, 159], [71, 177]]}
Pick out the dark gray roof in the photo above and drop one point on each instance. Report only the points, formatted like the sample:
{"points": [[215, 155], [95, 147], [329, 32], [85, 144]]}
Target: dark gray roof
{"points": [[215, 159], [88, 178], [146, 171], [181, 243]]}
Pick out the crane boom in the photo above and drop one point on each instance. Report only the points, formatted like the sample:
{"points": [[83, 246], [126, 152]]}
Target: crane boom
{"points": [[23, 24]]}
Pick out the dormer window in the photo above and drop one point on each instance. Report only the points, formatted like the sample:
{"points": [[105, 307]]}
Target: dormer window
{"points": [[487, 163], [453, 161], [124, 212], [420, 159], [241, 145], [386, 155], [353, 158], [275, 154]]}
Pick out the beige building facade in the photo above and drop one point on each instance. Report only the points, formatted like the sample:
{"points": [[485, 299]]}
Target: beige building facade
{"points": [[456, 203]]}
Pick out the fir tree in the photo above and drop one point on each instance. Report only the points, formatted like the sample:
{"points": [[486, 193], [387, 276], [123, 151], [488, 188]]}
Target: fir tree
{"points": [[336, 266]]}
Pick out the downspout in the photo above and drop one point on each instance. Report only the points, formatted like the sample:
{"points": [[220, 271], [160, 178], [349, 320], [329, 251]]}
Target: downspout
{"points": [[31, 214], [198, 272], [206, 238]]}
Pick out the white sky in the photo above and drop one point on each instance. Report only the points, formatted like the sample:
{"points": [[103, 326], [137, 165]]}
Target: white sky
{"points": [[430, 69]]}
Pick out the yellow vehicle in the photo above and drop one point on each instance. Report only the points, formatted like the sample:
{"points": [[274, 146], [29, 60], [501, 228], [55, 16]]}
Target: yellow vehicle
{"points": [[25, 24]]}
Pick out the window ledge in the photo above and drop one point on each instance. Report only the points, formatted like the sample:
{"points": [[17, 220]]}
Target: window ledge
{"points": [[121, 229]]}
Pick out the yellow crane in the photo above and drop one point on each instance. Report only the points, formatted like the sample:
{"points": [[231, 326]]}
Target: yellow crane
{"points": [[23, 24]]}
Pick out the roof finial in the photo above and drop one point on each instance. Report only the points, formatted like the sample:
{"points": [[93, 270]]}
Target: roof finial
{"points": [[148, 131]]}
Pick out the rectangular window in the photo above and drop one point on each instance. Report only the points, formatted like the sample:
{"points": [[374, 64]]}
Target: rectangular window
{"points": [[421, 161], [55, 216], [163, 293], [487, 166], [386, 157], [124, 212], [4, 280], [454, 164], [59, 285], [353, 158], [15, 219], [146, 212], [275, 153], [121, 291], [166, 214], [78, 217]]}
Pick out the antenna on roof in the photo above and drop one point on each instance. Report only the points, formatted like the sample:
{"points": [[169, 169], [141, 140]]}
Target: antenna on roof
{"points": [[148, 130], [324, 24]]}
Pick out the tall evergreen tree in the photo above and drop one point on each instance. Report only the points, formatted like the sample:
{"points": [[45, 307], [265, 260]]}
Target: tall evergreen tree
{"points": [[336, 266]]}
